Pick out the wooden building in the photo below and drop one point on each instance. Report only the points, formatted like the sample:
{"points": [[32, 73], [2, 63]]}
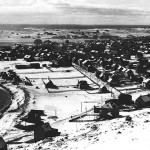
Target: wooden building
{"points": [[3, 145], [43, 131], [146, 83]]}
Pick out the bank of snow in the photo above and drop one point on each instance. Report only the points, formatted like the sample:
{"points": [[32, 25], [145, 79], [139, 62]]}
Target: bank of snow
{"points": [[65, 102]]}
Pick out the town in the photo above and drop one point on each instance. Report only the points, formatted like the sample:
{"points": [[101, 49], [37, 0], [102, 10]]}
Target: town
{"points": [[113, 68]]}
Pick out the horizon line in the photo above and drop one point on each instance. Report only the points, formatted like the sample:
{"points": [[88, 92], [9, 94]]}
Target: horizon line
{"points": [[77, 24]]}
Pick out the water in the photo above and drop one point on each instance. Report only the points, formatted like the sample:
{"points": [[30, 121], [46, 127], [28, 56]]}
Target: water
{"points": [[5, 98], [20, 27]]}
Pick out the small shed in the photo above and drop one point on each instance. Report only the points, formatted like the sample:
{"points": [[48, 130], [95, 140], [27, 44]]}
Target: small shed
{"points": [[3, 145], [103, 89], [83, 84], [146, 83], [50, 84], [34, 116], [43, 131], [125, 99], [27, 81]]}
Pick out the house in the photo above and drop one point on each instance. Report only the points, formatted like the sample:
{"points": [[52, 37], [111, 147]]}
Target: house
{"points": [[115, 76], [125, 99], [103, 77], [112, 82], [141, 69], [137, 79], [120, 69], [107, 67], [42, 56], [124, 81], [16, 79], [104, 63], [3, 145], [85, 63], [43, 131], [106, 75], [98, 73], [147, 75], [37, 57], [4, 75], [111, 101], [107, 111], [80, 62], [146, 83], [143, 101], [124, 70], [91, 68], [103, 89], [9, 58], [62, 61], [125, 63], [129, 73], [28, 58], [114, 66]]}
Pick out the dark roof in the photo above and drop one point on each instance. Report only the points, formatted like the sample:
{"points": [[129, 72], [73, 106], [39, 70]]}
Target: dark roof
{"points": [[2, 143], [83, 82], [39, 112]]}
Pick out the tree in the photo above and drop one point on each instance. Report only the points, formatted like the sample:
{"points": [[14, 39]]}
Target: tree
{"points": [[37, 42]]}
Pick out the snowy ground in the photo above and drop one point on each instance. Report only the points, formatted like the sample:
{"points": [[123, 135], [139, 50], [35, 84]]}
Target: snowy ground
{"points": [[66, 102]]}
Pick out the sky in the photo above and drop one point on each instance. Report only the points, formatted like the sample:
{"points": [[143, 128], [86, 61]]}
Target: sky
{"points": [[97, 12]]}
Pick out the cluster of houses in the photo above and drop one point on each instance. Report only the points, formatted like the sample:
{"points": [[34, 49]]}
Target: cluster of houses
{"points": [[110, 71], [34, 122], [116, 61], [11, 75], [113, 60]]}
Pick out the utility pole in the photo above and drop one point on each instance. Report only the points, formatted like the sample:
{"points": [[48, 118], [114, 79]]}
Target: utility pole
{"points": [[81, 106], [76, 128], [86, 109]]}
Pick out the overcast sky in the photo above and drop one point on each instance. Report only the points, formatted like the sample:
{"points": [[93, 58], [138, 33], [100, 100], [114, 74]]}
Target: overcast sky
{"points": [[75, 11]]}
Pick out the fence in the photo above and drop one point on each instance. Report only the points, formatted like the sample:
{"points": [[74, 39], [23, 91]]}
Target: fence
{"points": [[115, 92]]}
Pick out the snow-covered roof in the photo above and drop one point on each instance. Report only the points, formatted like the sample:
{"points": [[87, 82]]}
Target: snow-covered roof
{"points": [[146, 80]]}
